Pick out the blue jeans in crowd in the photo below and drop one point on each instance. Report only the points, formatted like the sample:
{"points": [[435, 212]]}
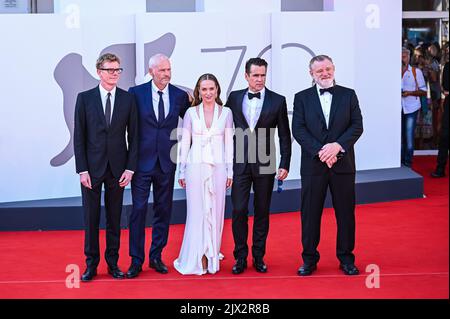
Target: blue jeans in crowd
{"points": [[408, 130]]}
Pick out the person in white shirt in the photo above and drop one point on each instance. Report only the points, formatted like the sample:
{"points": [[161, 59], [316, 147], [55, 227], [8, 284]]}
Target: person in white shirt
{"points": [[413, 87]]}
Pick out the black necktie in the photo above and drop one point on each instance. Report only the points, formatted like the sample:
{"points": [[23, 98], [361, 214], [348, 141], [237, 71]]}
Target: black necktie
{"points": [[252, 95], [329, 90], [108, 110], [160, 108]]}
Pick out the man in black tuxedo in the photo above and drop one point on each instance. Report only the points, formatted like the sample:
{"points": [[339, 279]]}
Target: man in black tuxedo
{"points": [[326, 123], [257, 112], [105, 121]]}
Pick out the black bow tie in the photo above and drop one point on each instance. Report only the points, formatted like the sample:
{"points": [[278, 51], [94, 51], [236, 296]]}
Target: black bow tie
{"points": [[329, 90], [252, 95]]}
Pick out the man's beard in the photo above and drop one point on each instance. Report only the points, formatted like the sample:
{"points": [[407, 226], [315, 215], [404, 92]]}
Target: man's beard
{"points": [[326, 83]]}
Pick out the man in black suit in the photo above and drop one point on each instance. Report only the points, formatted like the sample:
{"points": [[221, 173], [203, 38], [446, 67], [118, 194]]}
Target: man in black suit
{"points": [[443, 140], [105, 121], [257, 112], [326, 123]]}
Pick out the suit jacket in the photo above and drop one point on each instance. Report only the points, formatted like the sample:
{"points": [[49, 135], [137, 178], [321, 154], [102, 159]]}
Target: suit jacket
{"points": [[155, 141], [95, 145], [273, 115], [310, 130]]}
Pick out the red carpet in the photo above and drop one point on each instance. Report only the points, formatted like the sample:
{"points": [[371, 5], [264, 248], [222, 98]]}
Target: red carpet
{"points": [[408, 240]]}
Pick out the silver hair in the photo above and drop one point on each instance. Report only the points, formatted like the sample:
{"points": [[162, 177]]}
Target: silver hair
{"points": [[406, 50], [156, 59], [319, 58]]}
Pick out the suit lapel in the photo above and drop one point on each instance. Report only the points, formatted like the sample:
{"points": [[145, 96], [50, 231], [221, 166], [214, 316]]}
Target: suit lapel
{"points": [[148, 100], [265, 108], [316, 104], [240, 113], [99, 105], [335, 102], [117, 100], [172, 104]]}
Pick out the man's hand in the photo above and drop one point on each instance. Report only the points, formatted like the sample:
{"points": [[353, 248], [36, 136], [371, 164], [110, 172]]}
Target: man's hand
{"points": [[282, 174], [329, 151], [125, 178], [85, 180], [229, 182], [331, 162]]}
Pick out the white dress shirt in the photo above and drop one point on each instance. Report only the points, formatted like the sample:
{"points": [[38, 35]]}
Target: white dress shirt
{"points": [[252, 108], [325, 102], [155, 99], [104, 96]]}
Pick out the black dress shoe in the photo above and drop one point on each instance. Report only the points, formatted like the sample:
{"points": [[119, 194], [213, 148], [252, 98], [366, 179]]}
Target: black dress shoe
{"points": [[158, 265], [349, 270], [306, 269], [437, 174], [116, 273], [259, 265], [89, 274], [134, 271], [239, 266]]}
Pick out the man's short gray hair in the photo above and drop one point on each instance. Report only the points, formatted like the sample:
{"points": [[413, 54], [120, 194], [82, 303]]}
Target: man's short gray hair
{"points": [[156, 59], [319, 58], [404, 49]]}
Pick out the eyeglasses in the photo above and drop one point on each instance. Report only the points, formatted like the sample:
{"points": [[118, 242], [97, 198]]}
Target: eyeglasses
{"points": [[280, 184], [112, 71]]}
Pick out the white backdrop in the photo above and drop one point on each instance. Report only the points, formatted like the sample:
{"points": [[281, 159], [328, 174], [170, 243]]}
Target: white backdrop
{"points": [[43, 68]]}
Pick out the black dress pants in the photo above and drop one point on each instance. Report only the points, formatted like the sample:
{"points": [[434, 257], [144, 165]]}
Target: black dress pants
{"points": [[314, 190], [240, 194], [113, 207]]}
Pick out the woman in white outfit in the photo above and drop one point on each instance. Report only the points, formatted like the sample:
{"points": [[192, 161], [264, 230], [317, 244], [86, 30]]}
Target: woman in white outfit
{"points": [[206, 171]]}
